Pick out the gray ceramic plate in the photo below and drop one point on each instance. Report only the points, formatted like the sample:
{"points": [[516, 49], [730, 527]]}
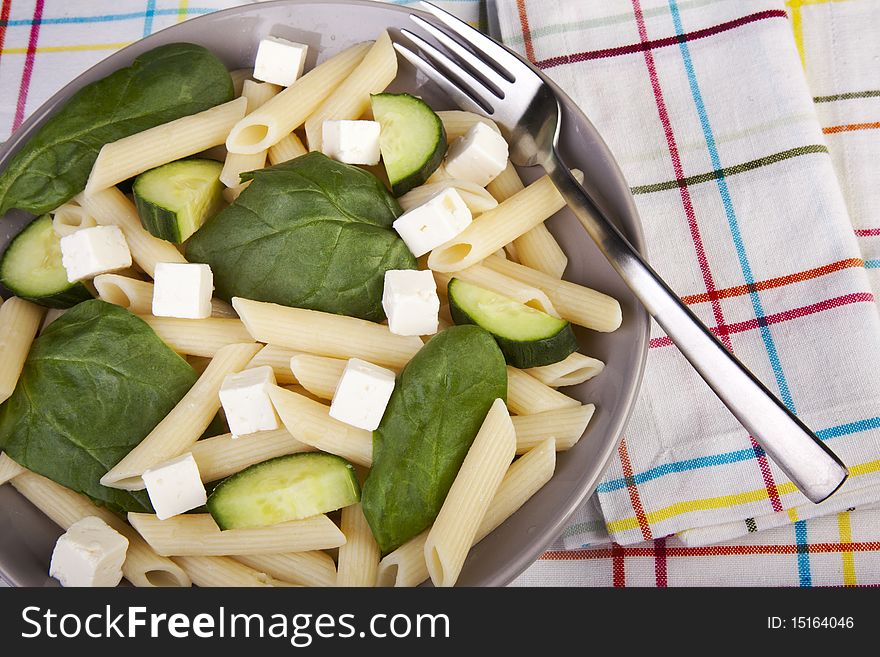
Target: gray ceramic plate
{"points": [[27, 537]]}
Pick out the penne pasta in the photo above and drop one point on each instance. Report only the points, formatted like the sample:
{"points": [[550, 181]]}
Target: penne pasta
{"points": [[351, 99], [317, 374], [504, 285], [288, 148], [9, 469], [223, 455], [70, 218], [572, 370], [457, 122], [199, 337], [19, 322], [325, 334], [564, 425], [142, 566], [314, 568], [309, 422], [405, 566], [110, 207], [285, 112], [526, 395], [186, 422], [256, 94], [224, 571], [477, 199], [495, 228], [130, 293], [278, 358], [239, 76], [578, 304], [536, 248], [196, 534], [127, 157], [452, 535], [51, 315], [359, 557]]}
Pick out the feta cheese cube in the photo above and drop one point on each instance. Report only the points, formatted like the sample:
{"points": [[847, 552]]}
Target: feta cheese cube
{"points": [[352, 142], [362, 394], [175, 486], [92, 251], [279, 61], [479, 156], [182, 290], [245, 400], [410, 301], [89, 553], [433, 223]]}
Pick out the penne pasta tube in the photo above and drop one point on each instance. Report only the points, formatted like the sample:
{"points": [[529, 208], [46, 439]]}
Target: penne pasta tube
{"points": [[237, 164], [495, 228], [127, 157], [19, 322], [130, 293], [223, 455], [239, 76], [325, 334], [9, 469], [309, 422], [572, 370], [70, 218], [317, 374], [289, 148], [142, 566], [256, 94], [110, 207], [278, 358], [285, 112], [578, 304], [196, 534], [504, 285], [359, 557], [526, 395], [458, 122], [453, 532], [351, 99], [475, 197], [536, 248], [224, 571], [314, 568], [565, 425], [186, 422], [406, 566], [199, 337]]}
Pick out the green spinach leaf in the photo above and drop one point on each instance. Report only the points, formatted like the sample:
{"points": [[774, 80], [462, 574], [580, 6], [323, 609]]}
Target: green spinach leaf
{"points": [[161, 85], [94, 385], [439, 402], [311, 233]]}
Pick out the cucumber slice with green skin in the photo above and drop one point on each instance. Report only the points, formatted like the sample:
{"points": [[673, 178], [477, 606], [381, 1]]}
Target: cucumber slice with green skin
{"points": [[284, 488], [175, 199], [412, 141], [527, 337], [31, 268]]}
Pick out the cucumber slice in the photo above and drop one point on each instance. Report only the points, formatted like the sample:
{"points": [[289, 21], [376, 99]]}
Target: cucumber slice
{"points": [[175, 199], [284, 488], [527, 337], [412, 141], [31, 268]]}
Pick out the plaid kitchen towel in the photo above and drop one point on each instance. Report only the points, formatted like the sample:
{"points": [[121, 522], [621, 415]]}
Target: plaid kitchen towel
{"points": [[708, 111]]}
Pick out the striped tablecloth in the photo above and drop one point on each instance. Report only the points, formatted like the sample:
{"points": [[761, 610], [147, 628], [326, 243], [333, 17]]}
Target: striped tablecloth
{"points": [[711, 107]]}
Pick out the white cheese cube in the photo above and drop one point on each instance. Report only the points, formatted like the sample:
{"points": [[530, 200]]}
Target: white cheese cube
{"points": [[433, 223], [279, 61], [182, 290], [352, 142], [362, 394], [89, 553], [92, 251], [479, 156], [410, 301], [245, 400], [175, 486]]}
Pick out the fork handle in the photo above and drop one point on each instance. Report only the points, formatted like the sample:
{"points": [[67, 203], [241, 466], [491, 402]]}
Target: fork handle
{"points": [[807, 462]]}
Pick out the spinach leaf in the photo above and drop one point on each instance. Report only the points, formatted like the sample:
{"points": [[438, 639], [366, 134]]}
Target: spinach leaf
{"points": [[94, 385], [311, 233], [439, 402], [161, 85]]}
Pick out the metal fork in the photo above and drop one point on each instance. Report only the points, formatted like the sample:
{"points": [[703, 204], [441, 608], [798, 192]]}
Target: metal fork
{"points": [[484, 77]]}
